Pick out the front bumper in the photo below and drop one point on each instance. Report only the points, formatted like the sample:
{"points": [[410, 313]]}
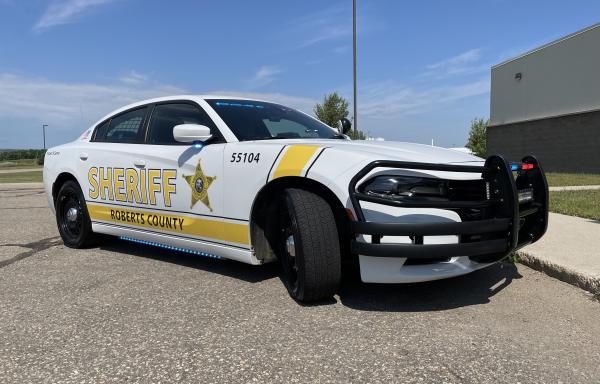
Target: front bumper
{"points": [[503, 225]]}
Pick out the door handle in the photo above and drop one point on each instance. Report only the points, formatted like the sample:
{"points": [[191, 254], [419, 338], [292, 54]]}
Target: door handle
{"points": [[139, 163], [83, 156]]}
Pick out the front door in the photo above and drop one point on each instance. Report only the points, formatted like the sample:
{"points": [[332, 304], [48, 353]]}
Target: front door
{"points": [[193, 174]]}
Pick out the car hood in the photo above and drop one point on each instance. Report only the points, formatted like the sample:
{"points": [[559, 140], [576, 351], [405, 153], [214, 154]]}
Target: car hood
{"points": [[390, 150]]}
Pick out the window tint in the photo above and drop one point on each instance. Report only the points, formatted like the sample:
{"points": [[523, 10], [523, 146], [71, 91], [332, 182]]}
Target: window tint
{"points": [[257, 120], [125, 128], [100, 131], [288, 129], [166, 116]]}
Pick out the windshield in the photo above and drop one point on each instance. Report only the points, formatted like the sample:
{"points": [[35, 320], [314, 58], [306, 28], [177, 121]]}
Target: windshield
{"points": [[257, 120]]}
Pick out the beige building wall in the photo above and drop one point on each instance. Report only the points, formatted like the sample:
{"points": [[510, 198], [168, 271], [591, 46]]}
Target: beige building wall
{"points": [[560, 78]]}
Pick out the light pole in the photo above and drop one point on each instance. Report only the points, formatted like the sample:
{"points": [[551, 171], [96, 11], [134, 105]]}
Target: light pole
{"points": [[354, 63], [44, 131]]}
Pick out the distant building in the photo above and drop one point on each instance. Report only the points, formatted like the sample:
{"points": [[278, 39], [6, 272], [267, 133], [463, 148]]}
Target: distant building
{"points": [[547, 102]]}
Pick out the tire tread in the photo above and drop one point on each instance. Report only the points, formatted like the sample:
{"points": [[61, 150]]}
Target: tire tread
{"points": [[320, 245]]}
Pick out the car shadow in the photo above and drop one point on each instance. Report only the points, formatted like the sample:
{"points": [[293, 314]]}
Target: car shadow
{"points": [[471, 289], [229, 268]]}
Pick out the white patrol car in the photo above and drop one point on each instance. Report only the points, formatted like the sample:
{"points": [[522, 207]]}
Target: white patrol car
{"points": [[256, 182]]}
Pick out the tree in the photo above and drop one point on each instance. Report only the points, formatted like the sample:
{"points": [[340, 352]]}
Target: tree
{"points": [[356, 135], [477, 137], [335, 107]]}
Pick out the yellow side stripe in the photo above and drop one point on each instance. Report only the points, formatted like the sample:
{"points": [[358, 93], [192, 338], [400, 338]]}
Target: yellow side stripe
{"points": [[294, 160], [183, 225]]}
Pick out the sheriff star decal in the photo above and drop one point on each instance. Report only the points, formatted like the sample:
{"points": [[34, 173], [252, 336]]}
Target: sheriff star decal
{"points": [[199, 183]]}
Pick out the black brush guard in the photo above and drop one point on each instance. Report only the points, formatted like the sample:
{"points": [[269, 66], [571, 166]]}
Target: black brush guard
{"points": [[504, 225]]}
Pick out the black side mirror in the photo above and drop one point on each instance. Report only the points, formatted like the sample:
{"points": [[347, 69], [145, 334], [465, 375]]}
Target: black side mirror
{"points": [[344, 126]]}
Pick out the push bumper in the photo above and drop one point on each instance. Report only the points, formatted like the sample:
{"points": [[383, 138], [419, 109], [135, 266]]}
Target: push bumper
{"points": [[503, 224]]}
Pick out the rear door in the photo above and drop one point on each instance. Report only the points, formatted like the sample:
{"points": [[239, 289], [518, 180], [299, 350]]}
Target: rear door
{"points": [[107, 167]]}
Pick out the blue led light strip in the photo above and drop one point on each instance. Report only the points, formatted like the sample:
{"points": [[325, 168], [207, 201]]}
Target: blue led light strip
{"points": [[178, 249], [224, 104]]}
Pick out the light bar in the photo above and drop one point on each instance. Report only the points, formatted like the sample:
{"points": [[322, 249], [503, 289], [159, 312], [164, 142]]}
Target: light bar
{"points": [[523, 166], [234, 104], [171, 248]]}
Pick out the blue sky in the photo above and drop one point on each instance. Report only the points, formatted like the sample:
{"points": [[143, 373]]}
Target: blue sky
{"points": [[423, 67]]}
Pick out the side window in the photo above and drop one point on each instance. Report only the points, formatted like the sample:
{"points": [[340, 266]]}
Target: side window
{"points": [[100, 131], [125, 128], [166, 116]]}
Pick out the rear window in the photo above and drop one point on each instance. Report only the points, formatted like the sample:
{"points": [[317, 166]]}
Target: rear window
{"points": [[123, 128]]}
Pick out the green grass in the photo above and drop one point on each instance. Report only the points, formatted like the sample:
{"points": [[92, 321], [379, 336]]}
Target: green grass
{"points": [[564, 179], [513, 258], [576, 203], [21, 177], [16, 164]]}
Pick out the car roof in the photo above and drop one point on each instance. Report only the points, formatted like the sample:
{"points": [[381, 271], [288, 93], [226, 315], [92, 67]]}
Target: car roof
{"points": [[172, 98]]}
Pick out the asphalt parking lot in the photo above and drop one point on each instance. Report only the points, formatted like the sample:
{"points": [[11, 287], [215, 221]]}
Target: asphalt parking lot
{"points": [[128, 313]]}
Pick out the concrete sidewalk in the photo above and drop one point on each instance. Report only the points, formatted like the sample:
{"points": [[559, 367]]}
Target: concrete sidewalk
{"points": [[570, 251]]}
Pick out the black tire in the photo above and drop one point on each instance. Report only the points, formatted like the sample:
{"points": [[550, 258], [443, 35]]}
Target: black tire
{"points": [[75, 227], [313, 272]]}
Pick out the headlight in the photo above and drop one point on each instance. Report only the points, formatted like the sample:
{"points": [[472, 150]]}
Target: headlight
{"points": [[406, 187]]}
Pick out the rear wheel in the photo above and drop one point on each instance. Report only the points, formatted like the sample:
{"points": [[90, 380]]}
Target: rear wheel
{"points": [[72, 217], [309, 248]]}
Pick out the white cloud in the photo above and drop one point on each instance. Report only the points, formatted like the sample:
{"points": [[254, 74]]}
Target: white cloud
{"points": [[389, 100], [69, 103], [326, 34], [464, 63], [464, 58], [265, 75], [22, 96], [341, 49], [81, 104], [329, 24], [134, 78], [70, 108], [65, 11]]}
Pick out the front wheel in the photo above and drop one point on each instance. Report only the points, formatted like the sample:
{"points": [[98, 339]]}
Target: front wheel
{"points": [[309, 248], [72, 217]]}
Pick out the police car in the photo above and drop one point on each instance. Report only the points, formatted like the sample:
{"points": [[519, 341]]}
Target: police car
{"points": [[258, 182]]}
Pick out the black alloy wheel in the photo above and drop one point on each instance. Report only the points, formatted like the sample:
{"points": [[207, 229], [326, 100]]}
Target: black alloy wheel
{"points": [[72, 217]]}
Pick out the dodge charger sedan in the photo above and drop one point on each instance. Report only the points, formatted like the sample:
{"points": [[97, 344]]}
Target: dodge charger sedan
{"points": [[259, 182]]}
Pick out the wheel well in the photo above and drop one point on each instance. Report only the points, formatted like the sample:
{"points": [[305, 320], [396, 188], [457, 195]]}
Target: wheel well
{"points": [[60, 180], [266, 206]]}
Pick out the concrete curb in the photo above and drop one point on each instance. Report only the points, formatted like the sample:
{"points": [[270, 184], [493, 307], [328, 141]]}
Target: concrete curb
{"points": [[574, 188], [560, 272]]}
